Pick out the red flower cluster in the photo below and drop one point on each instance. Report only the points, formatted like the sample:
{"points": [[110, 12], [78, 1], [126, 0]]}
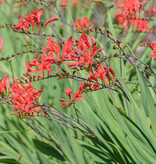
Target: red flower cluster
{"points": [[76, 96], [128, 14], [31, 19], [100, 73], [83, 55], [79, 55], [23, 98], [83, 24]]}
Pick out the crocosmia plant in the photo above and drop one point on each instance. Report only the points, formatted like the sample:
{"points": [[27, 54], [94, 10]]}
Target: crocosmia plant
{"points": [[78, 81]]}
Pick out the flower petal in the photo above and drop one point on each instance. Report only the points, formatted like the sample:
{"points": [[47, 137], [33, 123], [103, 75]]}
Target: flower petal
{"points": [[1, 44], [50, 20]]}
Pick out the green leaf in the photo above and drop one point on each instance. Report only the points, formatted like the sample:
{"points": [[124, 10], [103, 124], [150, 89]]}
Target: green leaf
{"points": [[48, 150]]}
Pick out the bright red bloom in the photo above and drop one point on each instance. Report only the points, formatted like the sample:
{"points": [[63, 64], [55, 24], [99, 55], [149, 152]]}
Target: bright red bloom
{"points": [[77, 96], [83, 24], [22, 25], [64, 100], [37, 18], [44, 65], [34, 17], [109, 72], [92, 48], [29, 69], [130, 13], [1, 44], [92, 76], [153, 47], [68, 92], [23, 97], [53, 47], [102, 74], [86, 51], [5, 84], [142, 25], [31, 19], [50, 20], [67, 48], [96, 86], [67, 51], [44, 115]]}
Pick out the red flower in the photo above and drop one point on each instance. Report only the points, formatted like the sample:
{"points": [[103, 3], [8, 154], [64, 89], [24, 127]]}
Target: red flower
{"points": [[83, 24], [1, 44], [92, 50], [5, 84], [130, 13], [92, 76], [29, 69], [96, 86], [153, 47], [44, 65], [67, 48], [68, 92], [77, 96], [86, 50], [109, 72], [142, 25], [102, 74], [44, 115], [23, 97], [22, 25], [37, 17], [34, 17], [54, 47], [50, 20]]}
